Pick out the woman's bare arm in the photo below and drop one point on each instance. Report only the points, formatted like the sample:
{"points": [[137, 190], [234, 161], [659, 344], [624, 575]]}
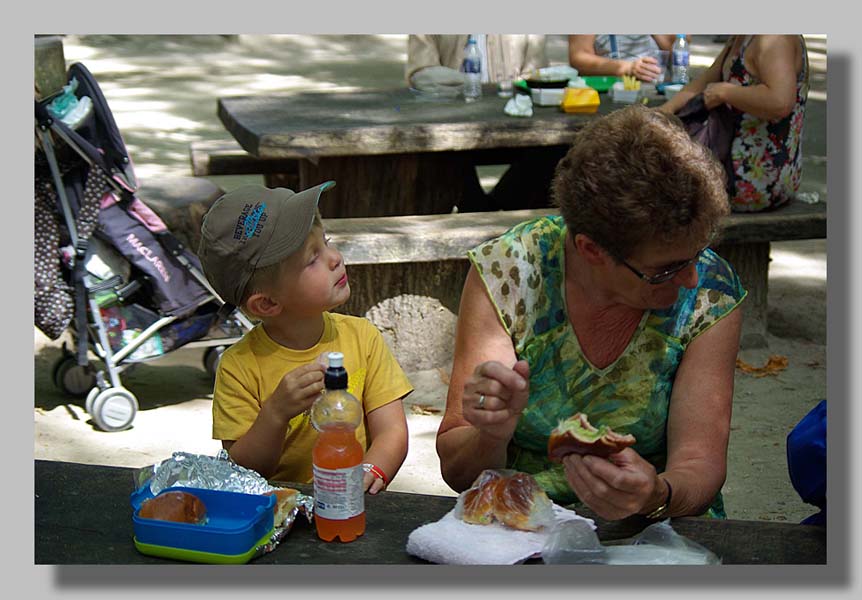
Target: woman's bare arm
{"points": [[470, 440]]}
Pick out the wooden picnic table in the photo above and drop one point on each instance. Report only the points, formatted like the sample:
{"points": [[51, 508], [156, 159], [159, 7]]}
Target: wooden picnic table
{"points": [[391, 151], [83, 516]]}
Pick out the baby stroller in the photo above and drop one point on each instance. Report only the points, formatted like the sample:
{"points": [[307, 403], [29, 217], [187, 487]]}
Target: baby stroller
{"points": [[106, 267]]}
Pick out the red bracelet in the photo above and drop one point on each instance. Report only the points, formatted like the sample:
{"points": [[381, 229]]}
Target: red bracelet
{"points": [[376, 471]]}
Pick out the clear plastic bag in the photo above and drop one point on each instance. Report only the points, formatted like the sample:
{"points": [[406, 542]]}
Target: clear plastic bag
{"points": [[506, 496], [574, 542]]}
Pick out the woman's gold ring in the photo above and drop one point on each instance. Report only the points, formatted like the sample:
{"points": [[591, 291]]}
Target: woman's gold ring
{"points": [[481, 403]]}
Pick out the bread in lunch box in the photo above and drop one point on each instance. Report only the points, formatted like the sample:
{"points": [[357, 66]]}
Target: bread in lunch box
{"points": [[285, 502], [179, 507], [512, 498]]}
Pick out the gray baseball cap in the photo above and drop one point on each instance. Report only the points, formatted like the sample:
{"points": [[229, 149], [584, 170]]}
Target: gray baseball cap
{"points": [[253, 227]]}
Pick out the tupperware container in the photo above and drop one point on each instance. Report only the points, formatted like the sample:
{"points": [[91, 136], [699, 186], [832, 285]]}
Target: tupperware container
{"points": [[236, 525], [547, 96], [624, 96]]}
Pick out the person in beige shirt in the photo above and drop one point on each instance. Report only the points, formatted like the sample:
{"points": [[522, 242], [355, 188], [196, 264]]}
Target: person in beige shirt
{"points": [[503, 56], [433, 63]]}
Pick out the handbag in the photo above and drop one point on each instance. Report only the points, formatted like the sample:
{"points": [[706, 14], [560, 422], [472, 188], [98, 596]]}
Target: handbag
{"points": [[714, 128]]}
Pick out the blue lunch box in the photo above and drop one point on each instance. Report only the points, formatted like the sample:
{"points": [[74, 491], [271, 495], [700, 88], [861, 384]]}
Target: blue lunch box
{"points": [[236, 525]]}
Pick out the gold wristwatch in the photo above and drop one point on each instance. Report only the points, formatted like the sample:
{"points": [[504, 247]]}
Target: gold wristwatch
{"points": [[661, 511]]}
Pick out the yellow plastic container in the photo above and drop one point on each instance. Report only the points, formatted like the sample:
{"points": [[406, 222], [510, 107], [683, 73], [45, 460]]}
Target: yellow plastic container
{"points": [[580, 100]]}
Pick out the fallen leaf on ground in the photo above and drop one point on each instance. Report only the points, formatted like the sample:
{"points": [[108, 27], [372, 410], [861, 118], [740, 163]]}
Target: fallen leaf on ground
{"points": [[424, 409], [773, 366], [444, 376]]}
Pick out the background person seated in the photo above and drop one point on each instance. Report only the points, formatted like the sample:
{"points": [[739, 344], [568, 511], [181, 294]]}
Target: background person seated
{"points": [[433, 61], [503, 57], [618, 55]]}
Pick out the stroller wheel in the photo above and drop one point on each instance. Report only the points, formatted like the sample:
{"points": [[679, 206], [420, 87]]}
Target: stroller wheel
{"points": [[73, 379], [114, 409], [212, 355], [91, 398]]}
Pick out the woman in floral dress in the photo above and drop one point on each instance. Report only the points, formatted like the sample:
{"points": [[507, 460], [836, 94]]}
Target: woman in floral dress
{"points": [[764, 80]]}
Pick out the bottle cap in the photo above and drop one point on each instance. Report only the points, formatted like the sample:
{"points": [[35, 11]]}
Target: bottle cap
{"points": [[336, 359]]}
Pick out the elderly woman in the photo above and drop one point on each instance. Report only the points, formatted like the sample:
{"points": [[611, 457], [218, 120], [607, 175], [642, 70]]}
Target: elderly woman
{"points": [[764, 79], [617, 309]]}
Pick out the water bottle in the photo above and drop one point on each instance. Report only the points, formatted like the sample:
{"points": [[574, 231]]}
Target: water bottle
{"points": [[339, 496], [679, 71], [472, 68]]}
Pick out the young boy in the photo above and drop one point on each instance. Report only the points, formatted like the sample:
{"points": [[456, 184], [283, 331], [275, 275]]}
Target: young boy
{"points": [[265, 251]]}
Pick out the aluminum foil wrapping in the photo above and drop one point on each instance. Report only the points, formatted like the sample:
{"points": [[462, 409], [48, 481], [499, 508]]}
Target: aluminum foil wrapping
{"points": [[206, 472], [219, 472]]}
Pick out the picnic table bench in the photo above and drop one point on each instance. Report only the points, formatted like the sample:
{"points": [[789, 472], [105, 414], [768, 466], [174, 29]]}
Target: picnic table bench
{"points": [[425, 255]]}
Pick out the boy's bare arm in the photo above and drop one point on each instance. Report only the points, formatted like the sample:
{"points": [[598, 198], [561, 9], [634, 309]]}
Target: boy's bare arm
{"points": [[387, 433], [261, 446]]}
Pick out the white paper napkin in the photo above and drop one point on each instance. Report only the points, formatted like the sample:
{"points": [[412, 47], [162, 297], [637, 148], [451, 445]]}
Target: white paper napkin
{"points": [[451, 541], [520, 105]]}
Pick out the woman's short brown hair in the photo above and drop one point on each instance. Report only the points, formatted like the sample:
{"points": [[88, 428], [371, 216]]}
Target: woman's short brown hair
{"points": [[635, 176]]}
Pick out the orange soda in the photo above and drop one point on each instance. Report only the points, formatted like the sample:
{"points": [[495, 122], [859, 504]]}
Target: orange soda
{"points": [[339, 496]]}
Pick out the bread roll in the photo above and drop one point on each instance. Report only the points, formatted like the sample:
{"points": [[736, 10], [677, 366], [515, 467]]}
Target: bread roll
{"points": [[576, 435], [508, 497], [478, 501], [180, 507], [285, 502], [522, 504]]}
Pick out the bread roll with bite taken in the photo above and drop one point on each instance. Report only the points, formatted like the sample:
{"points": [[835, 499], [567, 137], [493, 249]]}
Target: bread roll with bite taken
{"points": [[576, 435], [179, 507]]}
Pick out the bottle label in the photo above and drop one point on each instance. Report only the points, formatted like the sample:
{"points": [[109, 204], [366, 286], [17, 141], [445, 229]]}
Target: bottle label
{"points": [[338, 493], [472, 65], [680, 58]]}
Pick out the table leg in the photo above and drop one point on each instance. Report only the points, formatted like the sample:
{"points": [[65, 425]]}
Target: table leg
{"points": [[751, 261], [394, 184]]}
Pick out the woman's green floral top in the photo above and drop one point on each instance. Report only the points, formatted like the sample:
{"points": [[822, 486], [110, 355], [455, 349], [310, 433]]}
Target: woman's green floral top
{"points": [[523, 272]]}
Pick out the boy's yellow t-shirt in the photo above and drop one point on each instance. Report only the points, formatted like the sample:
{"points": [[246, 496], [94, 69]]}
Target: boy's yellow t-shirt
{"points": [[250, 370]]}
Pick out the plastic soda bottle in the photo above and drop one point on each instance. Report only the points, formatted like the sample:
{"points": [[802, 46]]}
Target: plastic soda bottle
{"points": [[339, 498], [472, 67], [680, 52]]}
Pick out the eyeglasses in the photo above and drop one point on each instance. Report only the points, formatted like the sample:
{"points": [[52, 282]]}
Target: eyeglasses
{"points": [[667, 274]]}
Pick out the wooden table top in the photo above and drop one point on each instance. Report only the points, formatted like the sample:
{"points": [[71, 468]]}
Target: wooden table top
{"points": [[391, 121], [83, 516]]}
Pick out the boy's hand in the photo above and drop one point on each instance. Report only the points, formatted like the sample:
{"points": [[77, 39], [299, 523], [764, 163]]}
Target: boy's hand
{"points": [[372, 484], [297, 391]]}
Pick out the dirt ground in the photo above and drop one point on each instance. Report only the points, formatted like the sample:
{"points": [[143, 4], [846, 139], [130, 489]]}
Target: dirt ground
{"points": [[160, 112]]}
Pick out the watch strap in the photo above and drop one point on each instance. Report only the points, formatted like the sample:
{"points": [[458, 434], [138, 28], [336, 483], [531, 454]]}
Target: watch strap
{"points": [[662, 510]]}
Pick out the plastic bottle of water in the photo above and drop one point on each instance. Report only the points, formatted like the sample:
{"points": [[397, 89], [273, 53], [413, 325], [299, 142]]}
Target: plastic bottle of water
{"points": [[472, 68], [679, 72], [339, 497]]}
